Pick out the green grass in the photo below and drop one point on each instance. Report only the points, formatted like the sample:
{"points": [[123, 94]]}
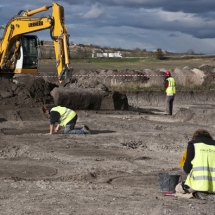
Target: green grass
{"points": [[133, 63], [140, 63]]}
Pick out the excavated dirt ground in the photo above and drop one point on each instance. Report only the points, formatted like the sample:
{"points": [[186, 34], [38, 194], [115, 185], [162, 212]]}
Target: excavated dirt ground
{"points": [[114, 170]]}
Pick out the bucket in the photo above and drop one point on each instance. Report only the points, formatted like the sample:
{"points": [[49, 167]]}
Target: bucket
{"points": [[168, 181]]}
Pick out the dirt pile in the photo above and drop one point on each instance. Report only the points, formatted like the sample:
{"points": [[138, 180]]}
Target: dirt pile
{"points": [[108, 77], [28, 93], [196, 114], [186, 77], [89, 99]]}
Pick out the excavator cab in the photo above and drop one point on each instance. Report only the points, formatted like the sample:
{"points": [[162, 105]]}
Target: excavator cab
{"points": [[28, 55], [19, 51]]}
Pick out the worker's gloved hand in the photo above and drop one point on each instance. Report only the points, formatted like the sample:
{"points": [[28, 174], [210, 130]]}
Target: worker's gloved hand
{"points": [[182, 161]]}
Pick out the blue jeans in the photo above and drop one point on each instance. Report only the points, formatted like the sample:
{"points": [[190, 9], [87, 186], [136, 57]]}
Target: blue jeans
{"points": [[71, 130], [70, 127]]}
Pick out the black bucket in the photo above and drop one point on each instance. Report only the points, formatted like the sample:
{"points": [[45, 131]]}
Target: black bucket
{"points": [[168, 181]]}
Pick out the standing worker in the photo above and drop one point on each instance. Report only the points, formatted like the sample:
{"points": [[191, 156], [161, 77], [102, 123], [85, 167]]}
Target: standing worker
{"points": [[64, 117], [170, 92], [199, 164]]}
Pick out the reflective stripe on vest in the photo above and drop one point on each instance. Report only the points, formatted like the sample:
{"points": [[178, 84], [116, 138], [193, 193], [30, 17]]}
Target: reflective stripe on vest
{"points": [[66, 115], [202, 175], [171, 86]]}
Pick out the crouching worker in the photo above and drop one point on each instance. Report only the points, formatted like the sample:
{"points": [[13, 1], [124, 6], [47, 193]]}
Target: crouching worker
{"points": [[64, 117], [199, 164]]}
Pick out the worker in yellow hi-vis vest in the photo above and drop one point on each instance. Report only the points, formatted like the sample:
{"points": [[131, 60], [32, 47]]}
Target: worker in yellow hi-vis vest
{"points": [[198, 162], [170, 92], [63, 117]]}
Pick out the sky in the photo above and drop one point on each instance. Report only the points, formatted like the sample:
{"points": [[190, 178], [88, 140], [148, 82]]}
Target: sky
{"points": [[172, 25]]}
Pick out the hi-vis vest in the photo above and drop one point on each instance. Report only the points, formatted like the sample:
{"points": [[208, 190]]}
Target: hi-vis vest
{"points": [[171, 86], [202, 175], [66, 115]]}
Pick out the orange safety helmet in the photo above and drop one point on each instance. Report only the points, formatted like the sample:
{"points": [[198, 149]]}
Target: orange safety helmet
{"points": [[168, 73]]}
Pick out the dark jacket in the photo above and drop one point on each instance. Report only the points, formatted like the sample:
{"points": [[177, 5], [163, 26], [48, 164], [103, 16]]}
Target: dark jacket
{"points": [[191, 151], [54, 115]]}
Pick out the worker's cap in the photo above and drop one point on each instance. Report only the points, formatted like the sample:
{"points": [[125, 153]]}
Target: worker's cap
{"points": [[168, 73]]}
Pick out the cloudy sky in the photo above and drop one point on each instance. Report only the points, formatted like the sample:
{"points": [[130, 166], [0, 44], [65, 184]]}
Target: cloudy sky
{"points": [[172, 25]]}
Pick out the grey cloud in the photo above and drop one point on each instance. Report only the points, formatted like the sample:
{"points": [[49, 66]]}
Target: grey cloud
{"points": [[95, 12], [204, 33], [137, 19], [188, 6], [103, 13], [103, 19], [172, 35]]}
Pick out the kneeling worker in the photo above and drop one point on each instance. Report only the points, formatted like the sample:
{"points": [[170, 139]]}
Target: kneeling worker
{"points": [[64, 117], [198, 162]]}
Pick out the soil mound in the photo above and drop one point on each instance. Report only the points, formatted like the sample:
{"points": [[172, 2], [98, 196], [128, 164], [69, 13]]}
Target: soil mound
{"points": [[28, 93], [184, 114], [89, 99], [197, 114]]}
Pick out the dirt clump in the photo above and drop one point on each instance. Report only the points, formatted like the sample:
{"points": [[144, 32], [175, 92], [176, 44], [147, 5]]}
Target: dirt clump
{"points": [[89, 99], [31, 93], [184, 114]]}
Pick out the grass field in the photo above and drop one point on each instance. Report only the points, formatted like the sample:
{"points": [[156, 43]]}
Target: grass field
{"points": [[135, 63]]}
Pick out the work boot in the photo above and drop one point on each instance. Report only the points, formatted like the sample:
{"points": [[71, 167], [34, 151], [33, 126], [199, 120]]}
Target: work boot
{"points": [[86, 129], [203, 196]]}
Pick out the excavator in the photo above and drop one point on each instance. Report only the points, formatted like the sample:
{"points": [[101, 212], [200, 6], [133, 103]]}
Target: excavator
{"points": [[19, 50]]}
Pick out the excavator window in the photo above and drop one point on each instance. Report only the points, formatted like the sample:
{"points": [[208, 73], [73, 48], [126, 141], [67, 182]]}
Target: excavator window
{"points": [[30, 52]]}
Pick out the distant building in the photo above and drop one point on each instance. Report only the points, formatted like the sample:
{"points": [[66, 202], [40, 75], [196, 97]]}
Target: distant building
{"points": [[107, 55]]}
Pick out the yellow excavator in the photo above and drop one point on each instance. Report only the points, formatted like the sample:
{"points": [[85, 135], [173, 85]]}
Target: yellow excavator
{"points": [[19, 51]]}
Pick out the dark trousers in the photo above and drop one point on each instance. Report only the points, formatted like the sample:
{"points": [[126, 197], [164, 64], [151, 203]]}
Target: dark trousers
{"points": [[73, 122], [169, 104], [70, 127]]}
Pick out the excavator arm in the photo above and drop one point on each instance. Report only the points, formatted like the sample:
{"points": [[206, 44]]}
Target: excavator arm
{"points": [[24, 23]]}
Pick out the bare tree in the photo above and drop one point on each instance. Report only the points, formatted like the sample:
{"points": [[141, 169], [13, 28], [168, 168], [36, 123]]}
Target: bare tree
{"points": [[190, 51], [159, 54]]}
